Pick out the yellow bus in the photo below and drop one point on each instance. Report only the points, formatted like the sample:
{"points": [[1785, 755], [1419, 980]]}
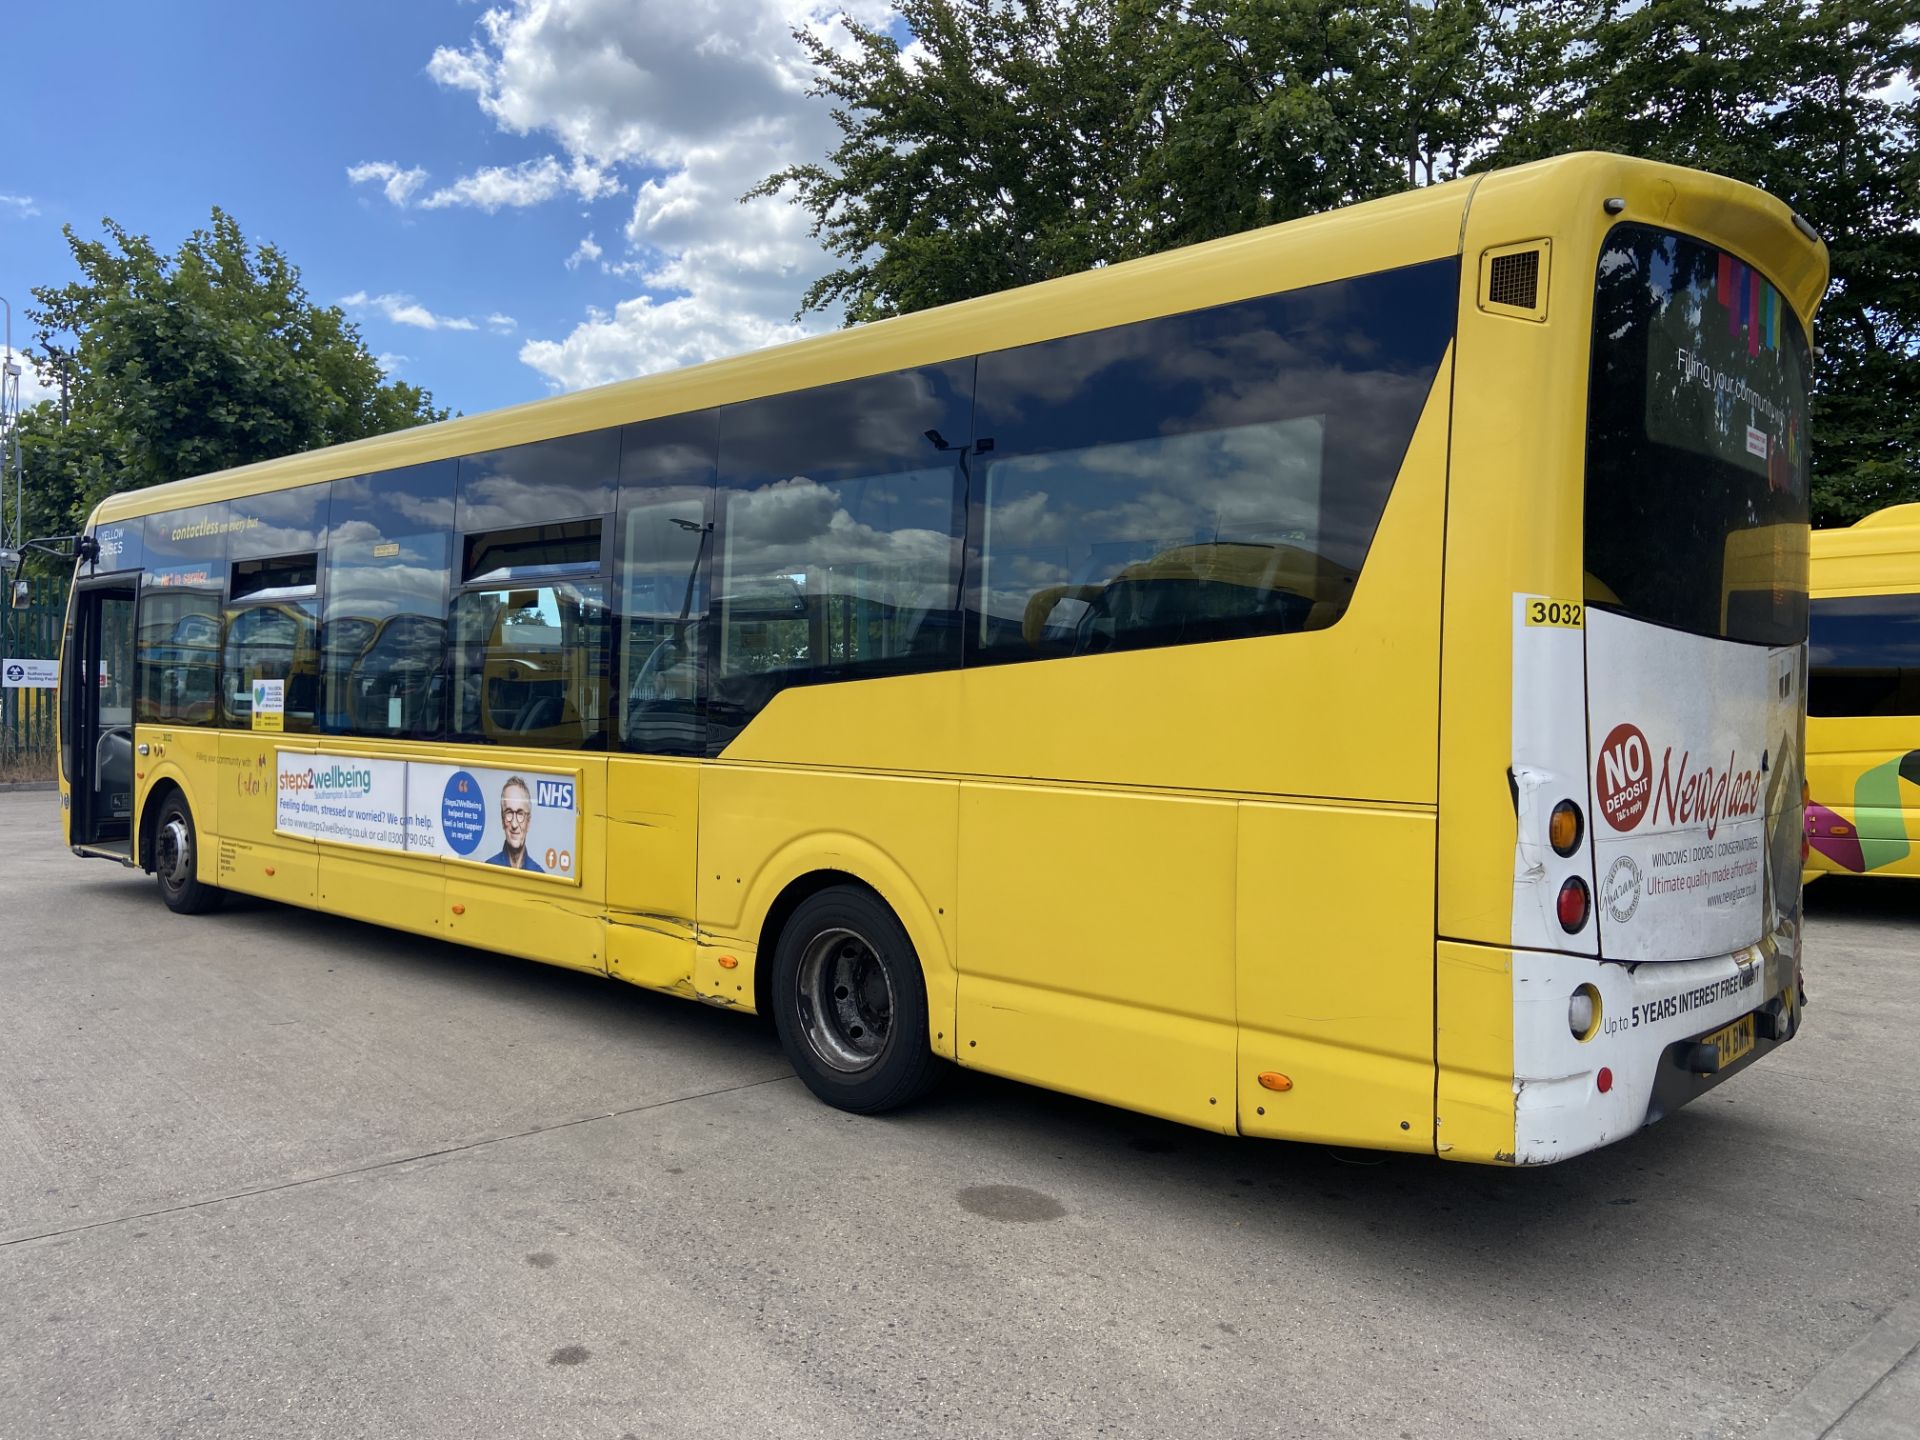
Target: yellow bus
{"points": [[1863, 698], [1293, 686]]}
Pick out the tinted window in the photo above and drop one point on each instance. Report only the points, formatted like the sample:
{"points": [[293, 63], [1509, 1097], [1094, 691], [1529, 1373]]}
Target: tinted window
{"points": [[276, 640], [533, 552], [287, 522], [178, 646], [389, 549], [537, 484], [1197, 477], [121, 545], [838, 537], [1865, 656], [530, 664], [665, 534], [1697, 461]]}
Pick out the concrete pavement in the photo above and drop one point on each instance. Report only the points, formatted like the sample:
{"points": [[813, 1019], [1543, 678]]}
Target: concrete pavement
{"points": [[270, 1173]]}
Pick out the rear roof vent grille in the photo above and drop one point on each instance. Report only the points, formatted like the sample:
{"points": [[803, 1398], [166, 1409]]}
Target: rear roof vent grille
{"points": [[1513, 280]]}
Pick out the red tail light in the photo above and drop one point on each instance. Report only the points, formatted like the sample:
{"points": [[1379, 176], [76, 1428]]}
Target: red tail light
{"points": [[1574, 903]]}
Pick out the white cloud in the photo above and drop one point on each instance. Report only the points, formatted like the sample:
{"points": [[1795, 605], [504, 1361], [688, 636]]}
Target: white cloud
{"points": [[405, 310], [586, 251], [531, 182], [502, 324], [642, 336], [31, 393], [704, 101], [18, 206], [397, 184], [390, 363]]}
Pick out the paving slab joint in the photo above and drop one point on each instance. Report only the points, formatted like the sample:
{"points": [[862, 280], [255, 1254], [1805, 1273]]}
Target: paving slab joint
{"points": [[1850, 1377]]}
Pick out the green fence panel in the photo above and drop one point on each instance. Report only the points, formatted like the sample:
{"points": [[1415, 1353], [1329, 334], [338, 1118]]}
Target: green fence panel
{"points": [[29, 730]]}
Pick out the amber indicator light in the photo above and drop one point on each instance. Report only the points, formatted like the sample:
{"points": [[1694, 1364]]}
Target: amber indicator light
{"points": [[1274, 1080], [1565, 828]]}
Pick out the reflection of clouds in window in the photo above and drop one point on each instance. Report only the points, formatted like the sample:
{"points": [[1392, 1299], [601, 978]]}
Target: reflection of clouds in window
{"points": [[800, 526], [285, 522], [419, 497], [862, 425], [540, 483], [414, 579], [1078, 516]]}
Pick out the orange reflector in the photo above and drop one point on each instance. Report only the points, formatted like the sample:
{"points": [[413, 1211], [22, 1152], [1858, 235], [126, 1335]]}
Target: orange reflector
{"points": [[269, 869], [727, 962], [1274, 1080], [459, 909], [1563, 828]]}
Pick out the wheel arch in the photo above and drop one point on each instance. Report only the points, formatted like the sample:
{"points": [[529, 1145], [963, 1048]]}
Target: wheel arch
{"points": [[798, 879], [152, 801]]}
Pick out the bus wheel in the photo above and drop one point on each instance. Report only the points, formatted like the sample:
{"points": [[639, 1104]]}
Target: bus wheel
{"points": [[850, 1003], [176, 852]]}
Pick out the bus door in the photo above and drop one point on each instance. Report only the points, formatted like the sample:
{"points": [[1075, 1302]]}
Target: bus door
{"points": [[98, 734]]}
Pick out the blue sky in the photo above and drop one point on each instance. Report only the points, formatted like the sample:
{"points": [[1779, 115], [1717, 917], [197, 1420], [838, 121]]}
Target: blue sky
{"points": [[509, 201]]}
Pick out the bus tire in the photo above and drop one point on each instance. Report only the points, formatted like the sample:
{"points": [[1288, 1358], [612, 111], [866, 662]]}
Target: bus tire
{"points": [[850, 1003], [176, 858]]}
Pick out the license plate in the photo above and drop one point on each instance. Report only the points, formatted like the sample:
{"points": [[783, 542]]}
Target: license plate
{"points": [[1732, 1042]]}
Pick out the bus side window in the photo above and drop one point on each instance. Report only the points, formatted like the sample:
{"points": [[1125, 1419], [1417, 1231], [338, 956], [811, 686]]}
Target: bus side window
{"points": [[384, 615], [837, 549], [1864, 656], [177, 648], [1202, 476]]}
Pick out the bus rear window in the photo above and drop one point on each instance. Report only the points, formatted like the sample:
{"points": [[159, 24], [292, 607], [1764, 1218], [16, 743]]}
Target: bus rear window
{"points": [[1697, 464]]}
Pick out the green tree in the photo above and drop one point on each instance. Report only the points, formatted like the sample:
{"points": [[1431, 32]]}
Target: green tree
{"points": [[167, 366], [1799, 99], [1041, 137], [992, 155]]}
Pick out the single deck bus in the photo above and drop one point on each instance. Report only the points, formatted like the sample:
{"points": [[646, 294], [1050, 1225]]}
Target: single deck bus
{"points": [[1863, 698], [1342, 682]]}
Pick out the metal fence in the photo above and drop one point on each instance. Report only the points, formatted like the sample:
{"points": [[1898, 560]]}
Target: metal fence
{"points": [[29, 734]]}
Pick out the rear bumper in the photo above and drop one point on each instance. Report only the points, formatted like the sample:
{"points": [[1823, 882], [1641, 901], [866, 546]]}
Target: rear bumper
{"points": [[1642, 1060]]}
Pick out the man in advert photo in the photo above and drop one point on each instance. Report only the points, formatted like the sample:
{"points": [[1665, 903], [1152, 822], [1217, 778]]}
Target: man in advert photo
{"points": [[516, 814]]}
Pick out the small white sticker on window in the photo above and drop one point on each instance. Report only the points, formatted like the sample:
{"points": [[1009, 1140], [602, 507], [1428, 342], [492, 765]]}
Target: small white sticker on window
{"points": [[1756, 442]]}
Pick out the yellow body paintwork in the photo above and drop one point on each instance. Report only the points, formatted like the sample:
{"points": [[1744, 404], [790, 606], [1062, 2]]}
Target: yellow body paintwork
{"points": [[1295, 857], [1879, 555]]}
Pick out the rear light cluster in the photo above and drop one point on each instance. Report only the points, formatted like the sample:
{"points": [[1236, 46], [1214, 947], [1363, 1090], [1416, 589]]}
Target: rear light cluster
{"points": [[1574, 905], [1566, 828]]}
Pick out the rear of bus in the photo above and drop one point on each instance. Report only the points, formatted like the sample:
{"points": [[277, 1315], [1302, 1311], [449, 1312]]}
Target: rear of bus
{"points": [[1863, 698], [1658, 675]]}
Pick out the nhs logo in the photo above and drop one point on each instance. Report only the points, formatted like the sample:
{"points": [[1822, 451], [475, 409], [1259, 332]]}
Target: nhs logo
{"points": [[555, 795]]}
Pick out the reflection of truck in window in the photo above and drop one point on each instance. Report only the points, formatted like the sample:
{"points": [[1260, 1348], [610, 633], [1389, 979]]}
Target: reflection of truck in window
{"points": [[1214, 591]]}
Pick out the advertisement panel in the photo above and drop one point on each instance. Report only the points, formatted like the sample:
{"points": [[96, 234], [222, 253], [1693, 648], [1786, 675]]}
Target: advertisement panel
{"points": [[1695, 774], [521, 820], [525, 820]]}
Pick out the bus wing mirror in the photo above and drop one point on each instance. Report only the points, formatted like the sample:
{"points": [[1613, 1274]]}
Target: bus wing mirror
{"points": [[20, 592]]}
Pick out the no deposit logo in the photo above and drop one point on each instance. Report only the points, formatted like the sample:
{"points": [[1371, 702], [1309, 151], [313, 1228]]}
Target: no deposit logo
{"points": [[1624, 777]]}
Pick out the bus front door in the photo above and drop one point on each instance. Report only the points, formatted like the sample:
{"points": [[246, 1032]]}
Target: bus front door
{"points": [[99, 740]]}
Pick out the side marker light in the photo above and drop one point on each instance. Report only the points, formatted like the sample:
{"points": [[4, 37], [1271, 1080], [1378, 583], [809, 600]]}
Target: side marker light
{"points": [[1273, 1080]]}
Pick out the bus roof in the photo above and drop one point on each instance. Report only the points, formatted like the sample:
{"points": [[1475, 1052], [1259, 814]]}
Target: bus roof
{"points": [[1878, 554], [1424, 224]]}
